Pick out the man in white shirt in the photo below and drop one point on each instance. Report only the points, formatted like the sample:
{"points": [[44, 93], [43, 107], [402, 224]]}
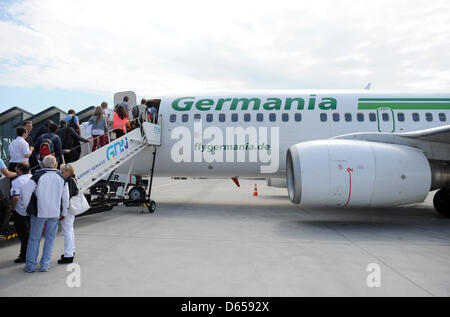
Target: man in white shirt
{"points": [[21, 220], [19, 149], [52, 195]]}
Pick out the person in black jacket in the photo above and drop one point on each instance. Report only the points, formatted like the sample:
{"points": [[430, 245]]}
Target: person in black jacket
{"points": [[43, 130], [67, 223], [56, 140], [70, 141]]}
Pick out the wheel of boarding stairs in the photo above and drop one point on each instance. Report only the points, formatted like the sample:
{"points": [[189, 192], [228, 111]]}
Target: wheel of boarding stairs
{"points": [[137, 193], [151, 207]]}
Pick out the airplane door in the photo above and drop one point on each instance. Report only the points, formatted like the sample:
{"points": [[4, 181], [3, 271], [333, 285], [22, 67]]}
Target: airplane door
{"points": [[386, 120]]}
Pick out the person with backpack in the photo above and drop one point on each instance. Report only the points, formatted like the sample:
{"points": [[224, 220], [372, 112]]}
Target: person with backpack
{"points": [[43, 129], [138, 113], [52, 202], [99, 127], [70, 141], [73, 121], [49, 144]]}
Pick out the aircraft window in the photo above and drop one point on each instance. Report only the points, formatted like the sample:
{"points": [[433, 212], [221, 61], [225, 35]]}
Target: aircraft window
{"points": [[285, 117], [442, 117], [272, 117], [415, 116], [336, 117], [197, 116], [222, 117], [385, 117], [247, 117], [209, 117], [185, 117], [360, 117], [372, 117], [173, 117], [323, 117], [234, 117], [429, 117], [401, 116], [259, 117], [348, 117], [298, 117]]}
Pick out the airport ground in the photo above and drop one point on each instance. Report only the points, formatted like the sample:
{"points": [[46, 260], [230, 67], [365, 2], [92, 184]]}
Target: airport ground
{"points": [[210, 238]]}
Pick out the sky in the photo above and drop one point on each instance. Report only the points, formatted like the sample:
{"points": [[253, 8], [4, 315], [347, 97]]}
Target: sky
{"points": [[77, 53]]}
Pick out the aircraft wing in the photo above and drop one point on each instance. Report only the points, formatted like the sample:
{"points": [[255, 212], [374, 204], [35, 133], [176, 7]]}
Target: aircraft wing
{"points": [[434, 142], [439, 134]]}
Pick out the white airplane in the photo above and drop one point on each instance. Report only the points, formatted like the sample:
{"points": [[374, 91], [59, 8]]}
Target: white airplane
{"points": [[329, 148]]}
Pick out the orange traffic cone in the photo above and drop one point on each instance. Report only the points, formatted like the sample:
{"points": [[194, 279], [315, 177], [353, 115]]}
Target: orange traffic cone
{"points": [[255, 192]]}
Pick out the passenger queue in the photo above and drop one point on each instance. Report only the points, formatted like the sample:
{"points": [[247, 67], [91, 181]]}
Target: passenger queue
{"points": [[40, 192]]}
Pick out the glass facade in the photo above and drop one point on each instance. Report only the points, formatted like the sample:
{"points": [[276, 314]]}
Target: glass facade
{"points": [[12, 118], [8, 133]]}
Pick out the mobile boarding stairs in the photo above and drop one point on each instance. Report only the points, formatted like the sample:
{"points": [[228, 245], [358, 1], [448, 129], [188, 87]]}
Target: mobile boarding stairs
{"points": [[103, 162]]}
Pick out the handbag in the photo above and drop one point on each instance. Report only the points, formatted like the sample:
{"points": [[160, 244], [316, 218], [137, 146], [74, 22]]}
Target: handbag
{"points": [[32, 207], [78, 204]]}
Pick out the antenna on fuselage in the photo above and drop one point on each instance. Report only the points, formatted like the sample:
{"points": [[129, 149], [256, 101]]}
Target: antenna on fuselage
{"points": [[368, 86]]}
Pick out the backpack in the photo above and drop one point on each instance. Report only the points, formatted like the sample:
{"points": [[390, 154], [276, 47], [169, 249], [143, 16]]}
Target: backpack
{"points": [[72, 124], [135, 111], [47, 147]]}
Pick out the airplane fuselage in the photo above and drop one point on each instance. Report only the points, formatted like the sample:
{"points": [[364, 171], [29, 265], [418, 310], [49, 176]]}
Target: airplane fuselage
{"points": [[247, 135]]}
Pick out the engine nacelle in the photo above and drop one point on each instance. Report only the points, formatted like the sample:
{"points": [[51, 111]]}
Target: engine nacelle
{"points": [[355, 173]]}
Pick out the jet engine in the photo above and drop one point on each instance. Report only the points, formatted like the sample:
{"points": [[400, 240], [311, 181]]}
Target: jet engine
{"points": [[343, 173]]}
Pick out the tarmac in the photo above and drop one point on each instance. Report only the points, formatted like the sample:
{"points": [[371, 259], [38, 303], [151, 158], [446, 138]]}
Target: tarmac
{"points": [[211, 238]]}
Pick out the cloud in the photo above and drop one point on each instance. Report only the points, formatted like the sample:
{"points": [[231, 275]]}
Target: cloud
{"points": [[159, 47]]}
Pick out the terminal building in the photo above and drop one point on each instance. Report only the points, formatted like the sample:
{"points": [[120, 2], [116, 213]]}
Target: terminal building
{"points": [[13, 117]]}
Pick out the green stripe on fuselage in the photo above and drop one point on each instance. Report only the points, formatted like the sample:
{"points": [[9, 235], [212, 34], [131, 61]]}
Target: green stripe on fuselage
{"points": [[405, 105], [404, 99]]}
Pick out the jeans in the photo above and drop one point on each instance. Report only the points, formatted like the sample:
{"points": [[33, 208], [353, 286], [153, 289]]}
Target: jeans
{"points": [[69, 236], [51, 229], [99, 141]]}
